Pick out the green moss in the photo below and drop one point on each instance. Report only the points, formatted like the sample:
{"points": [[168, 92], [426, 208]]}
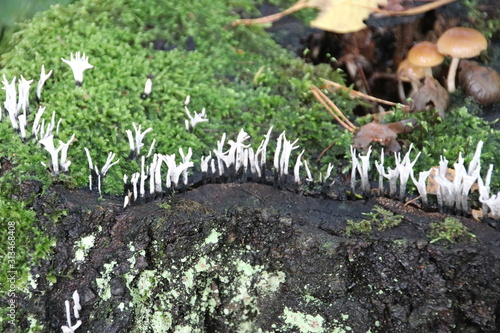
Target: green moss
{"points": [[450, 230], [219, 74], [239, 74], [380, 219]]}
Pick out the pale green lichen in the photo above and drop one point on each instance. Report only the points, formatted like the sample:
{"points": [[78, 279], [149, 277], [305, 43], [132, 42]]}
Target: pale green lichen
{"points": [[306, 323], [34, 325], [195, 281], [103, 283], [82, 247], [32, 281], [213, 238], [121, 306]]}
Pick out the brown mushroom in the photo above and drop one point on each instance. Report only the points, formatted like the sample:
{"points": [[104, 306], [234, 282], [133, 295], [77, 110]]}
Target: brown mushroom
{"points": [[425, 54], [460, 43], [409, 73], [480, 82]]}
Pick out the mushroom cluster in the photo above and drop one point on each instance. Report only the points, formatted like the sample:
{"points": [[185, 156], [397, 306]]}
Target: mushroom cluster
{"points": [[481, 83]]}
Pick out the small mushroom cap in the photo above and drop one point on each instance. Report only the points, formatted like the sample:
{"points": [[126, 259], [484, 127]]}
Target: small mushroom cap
{"points": [[425, 54], [460, 42], [407, 71]]}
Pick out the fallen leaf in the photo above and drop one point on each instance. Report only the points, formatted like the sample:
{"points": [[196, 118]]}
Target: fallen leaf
{"points": [[477, 214], [343, 16], [431, 94], [432, 186]]}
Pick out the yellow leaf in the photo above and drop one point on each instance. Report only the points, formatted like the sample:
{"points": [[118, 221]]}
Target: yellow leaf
{"points": [[343, 16]]}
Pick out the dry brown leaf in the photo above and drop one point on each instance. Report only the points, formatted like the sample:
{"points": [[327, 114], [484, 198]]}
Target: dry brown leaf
{"points": [[343, 16], [431, 94], [432, 186], [477, 214]]}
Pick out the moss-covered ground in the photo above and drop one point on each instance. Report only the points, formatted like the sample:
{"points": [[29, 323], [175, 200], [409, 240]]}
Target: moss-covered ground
{"points": [[239, 74]]}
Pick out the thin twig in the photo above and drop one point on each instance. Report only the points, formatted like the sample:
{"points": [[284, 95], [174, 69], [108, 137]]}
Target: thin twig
{"points": [[301, 4], [412, 11], [355, 93], [329, 105], [324, 152]]}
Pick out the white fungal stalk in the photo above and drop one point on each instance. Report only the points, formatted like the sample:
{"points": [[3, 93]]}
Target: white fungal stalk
{"points": [[24, 92], [78, 65], [64, 163], [101, 174], [219, 154], [484, 189], [204, 162], [363, 169], [48, 143], [237, 148], [405, 168], [36, 123], [261, 153], [69, 328], [284, 158], [380, 170], [192, 121], [109, 163], [152, 174], [493, 204], [22, 125], [43, 78], [157, 172], [151, 148], [309, 176], [328, 173], [142, 189], [134, 180], [277, 152], [421, 185], [253, 162], [135, 142], [475, 162], [10, 103], [148, 86], [354, 167], [185, 160], [174, 170], [296, 169], [91, 167]]}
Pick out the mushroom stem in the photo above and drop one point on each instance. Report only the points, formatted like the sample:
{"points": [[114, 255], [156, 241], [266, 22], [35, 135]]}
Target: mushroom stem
{"points": [[428, 72], [452, 72], [414, 88], [401, 90]]}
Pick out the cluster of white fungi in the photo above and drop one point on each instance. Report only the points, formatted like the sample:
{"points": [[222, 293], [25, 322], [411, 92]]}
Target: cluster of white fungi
{"points": [[453, 185], [236, 160]]}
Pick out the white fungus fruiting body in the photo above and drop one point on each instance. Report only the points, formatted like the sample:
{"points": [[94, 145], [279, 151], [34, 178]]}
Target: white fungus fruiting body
{"points": [[78, 65], [43, 78], [147, 88]]}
